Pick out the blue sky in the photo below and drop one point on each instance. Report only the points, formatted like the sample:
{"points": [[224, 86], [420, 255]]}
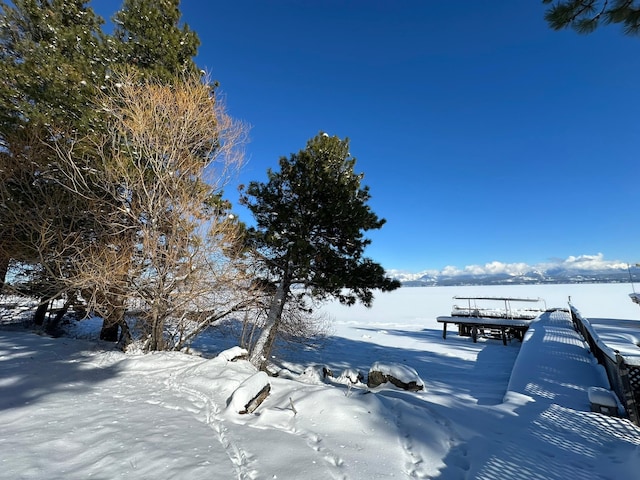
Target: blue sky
{"points": [[484, 135]]}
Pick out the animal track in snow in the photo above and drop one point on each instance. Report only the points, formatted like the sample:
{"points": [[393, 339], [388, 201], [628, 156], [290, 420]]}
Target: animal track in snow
{"points": [[242, 461]]}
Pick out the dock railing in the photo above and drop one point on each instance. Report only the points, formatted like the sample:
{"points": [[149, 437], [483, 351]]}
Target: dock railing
{"points": [[624, 379]]}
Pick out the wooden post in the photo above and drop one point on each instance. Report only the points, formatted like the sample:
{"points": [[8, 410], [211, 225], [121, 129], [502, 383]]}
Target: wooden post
{"points": [[444, 330]]}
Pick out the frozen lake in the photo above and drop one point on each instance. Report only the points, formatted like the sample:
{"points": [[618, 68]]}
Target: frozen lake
{"points": [[419, 306]]}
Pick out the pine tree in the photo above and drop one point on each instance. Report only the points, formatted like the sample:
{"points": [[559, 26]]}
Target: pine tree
{"points": [[50, 63], [311, 218], [149, 36], [585, 16]]}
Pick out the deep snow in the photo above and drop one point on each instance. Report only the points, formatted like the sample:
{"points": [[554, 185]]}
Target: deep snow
{"points": [[73, 409]]}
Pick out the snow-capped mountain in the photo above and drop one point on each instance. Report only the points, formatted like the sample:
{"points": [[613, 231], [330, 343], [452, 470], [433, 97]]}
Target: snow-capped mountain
{"points": [[583, 269]]}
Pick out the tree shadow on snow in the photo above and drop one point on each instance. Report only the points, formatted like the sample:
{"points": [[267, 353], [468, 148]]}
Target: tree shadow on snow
{"points": [[34, 366], [455, 366]]}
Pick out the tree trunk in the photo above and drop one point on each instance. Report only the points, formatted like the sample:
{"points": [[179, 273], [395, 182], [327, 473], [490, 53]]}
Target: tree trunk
{"points": [[157, 334], [41, 311], [155, 341], [112, 321], [262, 349], [125, 335], [4, 267], [52, 325], [109, 330]]}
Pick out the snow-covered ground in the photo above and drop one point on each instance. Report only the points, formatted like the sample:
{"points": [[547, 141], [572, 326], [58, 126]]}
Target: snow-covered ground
{"points": [[76, 409]]}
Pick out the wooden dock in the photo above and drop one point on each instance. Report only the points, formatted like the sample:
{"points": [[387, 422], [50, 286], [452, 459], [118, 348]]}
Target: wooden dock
{"points": [[505, 322]]}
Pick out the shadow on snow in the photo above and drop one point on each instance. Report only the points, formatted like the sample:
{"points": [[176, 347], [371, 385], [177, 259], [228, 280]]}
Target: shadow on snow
{"points": [[33, 367]]}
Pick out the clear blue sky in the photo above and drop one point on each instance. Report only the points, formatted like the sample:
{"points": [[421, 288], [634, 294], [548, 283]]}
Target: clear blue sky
{"points": [[483, 134]]}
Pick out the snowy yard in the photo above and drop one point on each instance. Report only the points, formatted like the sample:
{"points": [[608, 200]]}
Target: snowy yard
{"points": [[74, 409]]}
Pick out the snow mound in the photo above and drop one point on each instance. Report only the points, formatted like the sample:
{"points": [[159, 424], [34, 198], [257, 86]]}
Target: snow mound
{"points": [[232, 354], [402, 376], [350, 376], [315, 374], [602, 396]]}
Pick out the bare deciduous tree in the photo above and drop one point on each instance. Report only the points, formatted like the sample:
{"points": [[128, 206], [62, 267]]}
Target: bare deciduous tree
{"points": [[162, 234]]}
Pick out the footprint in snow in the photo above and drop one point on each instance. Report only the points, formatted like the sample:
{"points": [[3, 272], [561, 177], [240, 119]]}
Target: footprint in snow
{"points": [[334, 460], [313, 441]]}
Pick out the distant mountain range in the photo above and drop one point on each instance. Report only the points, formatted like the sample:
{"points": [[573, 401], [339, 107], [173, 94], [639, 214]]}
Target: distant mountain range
{"points": [[533, 276]]}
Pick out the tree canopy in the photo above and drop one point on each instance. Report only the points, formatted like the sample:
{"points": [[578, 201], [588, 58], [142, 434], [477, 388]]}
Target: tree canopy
{"points": [[584, 16], [51, 58], [311, 218], [150, 37]]}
